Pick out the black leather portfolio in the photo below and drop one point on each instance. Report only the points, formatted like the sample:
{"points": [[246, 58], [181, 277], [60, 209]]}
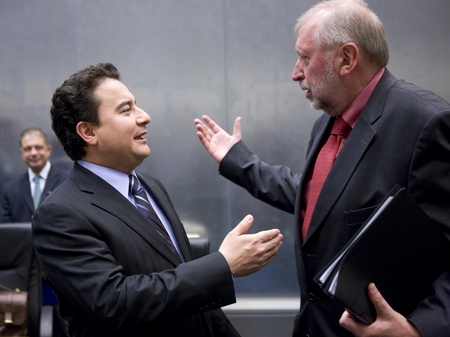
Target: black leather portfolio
{"points": [[399, 248]]}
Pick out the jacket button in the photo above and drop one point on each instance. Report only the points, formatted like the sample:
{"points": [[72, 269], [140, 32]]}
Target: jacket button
{"points": [[311, 297]]}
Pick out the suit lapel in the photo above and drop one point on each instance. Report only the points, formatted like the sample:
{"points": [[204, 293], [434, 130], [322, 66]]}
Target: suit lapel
{"points": [[169, 211], [341, 171], [26, 192], [51, 183], [318, 140], [110, 200], [351, 154]]}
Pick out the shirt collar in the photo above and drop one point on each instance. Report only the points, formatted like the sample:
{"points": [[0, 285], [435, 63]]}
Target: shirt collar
{"points": [[354, 109], [116, 179], [43, 174]]}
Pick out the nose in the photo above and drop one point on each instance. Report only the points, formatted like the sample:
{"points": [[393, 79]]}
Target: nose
{"points": [[143, 117], [297, 73]]}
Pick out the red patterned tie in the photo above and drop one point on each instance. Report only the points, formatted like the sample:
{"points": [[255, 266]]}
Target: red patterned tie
{"points": [[323, 164]]}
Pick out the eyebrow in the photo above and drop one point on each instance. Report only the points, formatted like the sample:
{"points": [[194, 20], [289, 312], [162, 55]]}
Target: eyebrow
{"points": [[302, 53], [124, 103]]}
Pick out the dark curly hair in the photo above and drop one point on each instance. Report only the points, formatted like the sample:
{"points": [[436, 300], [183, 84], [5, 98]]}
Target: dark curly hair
{"points": [[74, 101]]}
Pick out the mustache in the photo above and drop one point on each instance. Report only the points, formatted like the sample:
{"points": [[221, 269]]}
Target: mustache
{"points": [[304, 86]]}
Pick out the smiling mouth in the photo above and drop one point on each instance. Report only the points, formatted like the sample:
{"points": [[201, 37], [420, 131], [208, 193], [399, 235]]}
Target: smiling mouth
{"points": [[140, 136]]}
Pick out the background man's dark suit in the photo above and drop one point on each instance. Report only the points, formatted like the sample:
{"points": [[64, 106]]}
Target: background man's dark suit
{"points": [[17, 206], [108, 252], [17, 201], [401, 137]]}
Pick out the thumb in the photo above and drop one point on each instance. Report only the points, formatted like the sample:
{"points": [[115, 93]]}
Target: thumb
{"points": [[380, 304], [243, 226], [237, 128]]}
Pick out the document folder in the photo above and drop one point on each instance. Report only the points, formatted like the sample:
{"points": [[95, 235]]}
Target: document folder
{"points": [[399, 248]]}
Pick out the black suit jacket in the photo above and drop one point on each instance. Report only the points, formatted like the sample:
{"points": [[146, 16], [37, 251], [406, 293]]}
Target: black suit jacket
{"points": [[401, 137], [113, 273], [17, 202]]}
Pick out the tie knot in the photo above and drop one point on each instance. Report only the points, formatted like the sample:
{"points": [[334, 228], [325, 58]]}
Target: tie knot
{"points": [[340, 127], [36, 179], [134, 184]]}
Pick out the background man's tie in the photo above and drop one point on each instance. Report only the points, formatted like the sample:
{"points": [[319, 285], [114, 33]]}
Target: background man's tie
{"points": [[144, 206], [323, 164], [37, 191]]}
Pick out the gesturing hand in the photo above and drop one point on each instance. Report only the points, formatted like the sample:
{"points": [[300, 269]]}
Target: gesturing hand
{"points": [[248, 253], [216, 140]]}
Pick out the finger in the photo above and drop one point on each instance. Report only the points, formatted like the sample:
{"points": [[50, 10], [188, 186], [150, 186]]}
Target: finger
{"points": [[237, 132], [274, 247], [202, 128], [243, 226], [213, 125], [204, 140], [204, 134], [206, 119], [271, 250], [347, 322], [380, 304], [271, 234]]}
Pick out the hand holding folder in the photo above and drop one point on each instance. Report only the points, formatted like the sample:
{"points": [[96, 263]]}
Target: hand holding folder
{"points": [[399, 248]]}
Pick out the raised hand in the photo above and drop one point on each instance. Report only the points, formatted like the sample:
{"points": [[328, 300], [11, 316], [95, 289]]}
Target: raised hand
{"points": [[216, 140], [248, 253]]}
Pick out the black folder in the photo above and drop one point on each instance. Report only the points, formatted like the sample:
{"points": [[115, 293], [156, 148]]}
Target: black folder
{"points": [[399, 248]]}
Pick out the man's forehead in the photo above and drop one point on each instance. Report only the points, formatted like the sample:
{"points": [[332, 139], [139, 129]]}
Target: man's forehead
{"points": [[305, 39], [34, 138], [308, 28], [35, 135], [111, 91]]}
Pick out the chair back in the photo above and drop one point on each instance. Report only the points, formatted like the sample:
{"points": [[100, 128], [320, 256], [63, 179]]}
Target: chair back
{"points": [[199, 246], [19, 268]]}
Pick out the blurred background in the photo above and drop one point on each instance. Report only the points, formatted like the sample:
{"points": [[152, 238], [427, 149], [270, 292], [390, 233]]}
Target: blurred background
{"points": [[183, 59]]}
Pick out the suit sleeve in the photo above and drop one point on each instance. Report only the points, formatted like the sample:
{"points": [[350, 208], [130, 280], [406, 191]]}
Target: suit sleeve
{"points": [[67, 243], [430, 187], [275, 185]]}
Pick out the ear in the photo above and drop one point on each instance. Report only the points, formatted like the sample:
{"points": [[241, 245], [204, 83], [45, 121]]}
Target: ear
{"points": [[87, 132], [349, 57]]}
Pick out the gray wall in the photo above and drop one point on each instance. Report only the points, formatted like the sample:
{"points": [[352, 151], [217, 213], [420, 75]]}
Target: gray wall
{"points": [[182, 59]]}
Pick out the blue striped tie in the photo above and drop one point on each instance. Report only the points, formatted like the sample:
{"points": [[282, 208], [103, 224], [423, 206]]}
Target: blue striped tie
{"points": [[144, 206]]}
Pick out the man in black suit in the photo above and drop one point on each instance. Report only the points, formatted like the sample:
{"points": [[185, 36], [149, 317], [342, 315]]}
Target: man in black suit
{"points": [[22, 195], [117, 272], [18, 195], [393, 133]]}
